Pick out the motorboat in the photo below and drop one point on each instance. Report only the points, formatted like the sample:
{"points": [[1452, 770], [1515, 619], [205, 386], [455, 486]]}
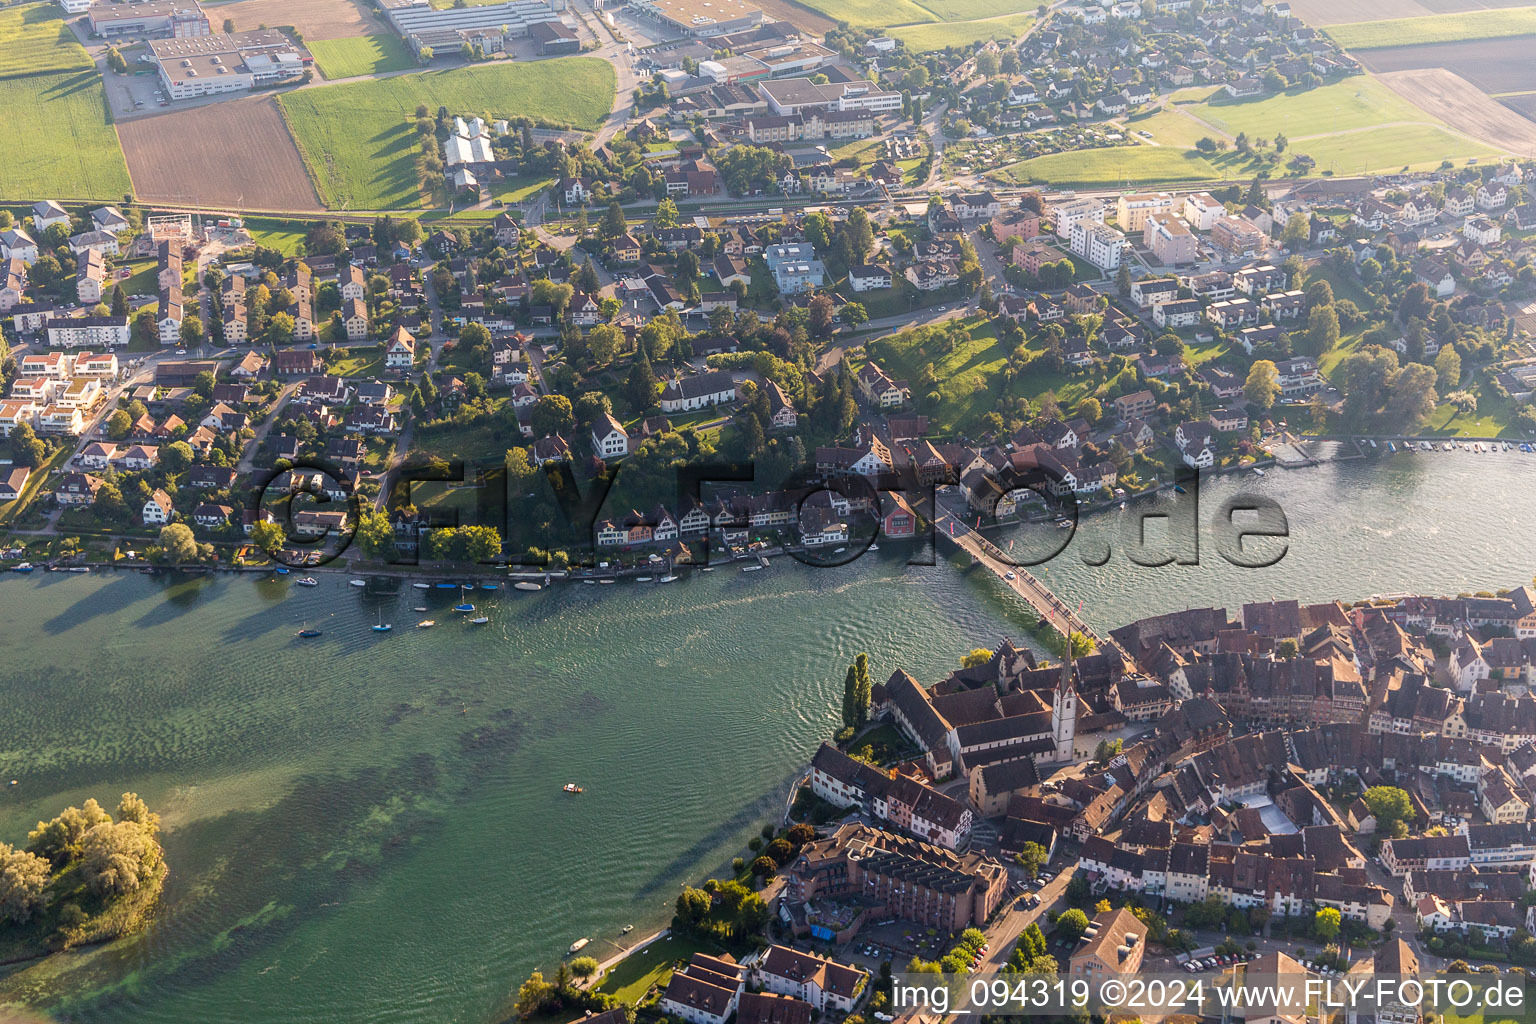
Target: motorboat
{"points": [[669, 578], [308, 633], [358, 583], [479, 620], [422, 586], [307, 581], [23, 567], [751, 568], [525, 585], [465, 607], [644, 579], [426, 623], [571, 787]]}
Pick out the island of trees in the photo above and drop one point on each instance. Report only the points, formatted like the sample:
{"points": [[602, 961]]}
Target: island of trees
{"points": [[83, 877]]}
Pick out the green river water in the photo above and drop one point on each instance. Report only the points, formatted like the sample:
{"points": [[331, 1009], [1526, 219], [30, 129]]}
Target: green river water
{"points": [[366, 828]]}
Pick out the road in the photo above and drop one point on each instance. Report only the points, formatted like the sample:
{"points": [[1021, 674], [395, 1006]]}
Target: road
{"points": [[248, 456]]}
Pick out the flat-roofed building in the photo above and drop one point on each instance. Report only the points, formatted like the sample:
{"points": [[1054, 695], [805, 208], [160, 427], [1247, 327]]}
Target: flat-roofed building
{"points": [[702, 17]]}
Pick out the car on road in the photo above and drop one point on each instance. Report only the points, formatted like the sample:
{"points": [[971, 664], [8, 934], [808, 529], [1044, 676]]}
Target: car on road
{"points": [[1009, 576]]}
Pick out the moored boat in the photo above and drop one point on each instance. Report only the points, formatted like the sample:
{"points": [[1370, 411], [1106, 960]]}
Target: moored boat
{"points": [[307, 581], [479, 620], [465, 607], [23, 567], [422, 586], [358, 583], [525, 585], [751, 568], [669, 578], [426, 623], [308, 633]]}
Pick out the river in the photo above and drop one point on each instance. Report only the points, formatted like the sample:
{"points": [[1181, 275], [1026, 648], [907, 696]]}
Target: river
{"points": [[371, 828]]}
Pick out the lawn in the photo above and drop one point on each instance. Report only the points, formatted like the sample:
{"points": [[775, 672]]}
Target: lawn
{"points": [[71, 150], [925, 38], [1415, 146], [1437, 28], [364, 361], [1357, 102], [282, 235], [1170, 128], [1120, 165], [11, 509], [360, 55], [359, 143], [519, 189], [35, 39], [632, 977], [967, 376]]}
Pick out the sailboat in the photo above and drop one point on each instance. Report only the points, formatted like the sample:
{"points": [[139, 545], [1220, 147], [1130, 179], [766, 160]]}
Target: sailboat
{"points": [[382, 627], [463, 605], [307, 633]]}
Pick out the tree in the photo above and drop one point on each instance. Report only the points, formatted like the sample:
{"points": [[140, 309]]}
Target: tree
{"points": [[1032, 858], [176, 543], [764, 867], [850, 688], [551, 414], [118, 424], [1071, 924], [1447, 368], [583, 967], [1263, 384], [1320, 293], [481, 543], [118, 857], [1298, 230], [614, 224], [26, 448], [1090, 409], [859, 233], [976, 658], [268, 537], [119, 301], [666, 215], [1322, 331], [192, 330], [862, 689], [24, 881], [641, 386], [604, 342], [176, 457], [532, 994], [1388, 804], [1326, 923]]}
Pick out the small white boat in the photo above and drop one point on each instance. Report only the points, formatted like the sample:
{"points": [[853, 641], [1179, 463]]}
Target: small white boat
{"points": [[571, 787], [707, 568], [607, 583], [79, 568], [669, 578], [525, 585], [750, 568], [590, 583], [422, 586], [1373, 442], [479, 620], [838, 551], [1256, 472], [307, 581], [873, 547], [579, 944], [358, 583], [644, 579], [626, 929], [419, 608], [426, 623]]}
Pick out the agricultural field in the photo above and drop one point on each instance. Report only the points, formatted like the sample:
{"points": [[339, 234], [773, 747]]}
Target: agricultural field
{"points": [[35, 39], [872, 13], [1456, 101], [71, 150], [1131, 166], [356, 56], [360, 147], [315, 19], [970, 10], [1496, 66], [813, 22], [236, 153], [1331, 12], [924, 38], [1436, 28], [1358, 102]]}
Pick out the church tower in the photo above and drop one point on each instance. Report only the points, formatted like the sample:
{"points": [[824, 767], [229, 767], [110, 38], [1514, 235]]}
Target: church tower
{"points": [[1064, 712]]}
